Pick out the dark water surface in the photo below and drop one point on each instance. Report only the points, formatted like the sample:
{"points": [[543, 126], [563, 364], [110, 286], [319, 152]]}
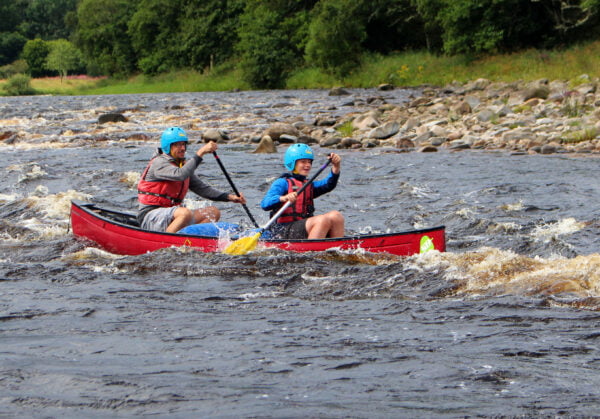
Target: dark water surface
{"points": [[504, 323]]}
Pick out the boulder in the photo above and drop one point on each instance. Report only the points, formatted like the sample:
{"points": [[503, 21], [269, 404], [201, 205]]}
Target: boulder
{"points": [[111, 117], [266, 145], [338, 91], [216, 135], [276, 130], [385, 131]]}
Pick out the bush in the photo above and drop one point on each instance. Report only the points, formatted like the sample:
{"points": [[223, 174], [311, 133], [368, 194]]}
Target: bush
{"points": [[19, 85], [9, 70]]}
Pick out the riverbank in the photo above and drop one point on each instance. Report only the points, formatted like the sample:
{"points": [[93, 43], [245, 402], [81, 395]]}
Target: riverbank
{"points": [[403, 69]]}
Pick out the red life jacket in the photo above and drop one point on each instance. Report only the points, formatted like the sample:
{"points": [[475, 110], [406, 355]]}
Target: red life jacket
{"points": [[162, 193], [302, 208]]}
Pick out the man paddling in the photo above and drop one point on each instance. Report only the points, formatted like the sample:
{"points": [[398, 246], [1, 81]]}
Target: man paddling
{"points": [[298, 220], [166, 180]]}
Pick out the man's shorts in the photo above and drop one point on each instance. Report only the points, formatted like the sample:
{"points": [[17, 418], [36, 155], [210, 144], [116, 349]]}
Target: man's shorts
{"points": [[293, 230], [159, 219]]}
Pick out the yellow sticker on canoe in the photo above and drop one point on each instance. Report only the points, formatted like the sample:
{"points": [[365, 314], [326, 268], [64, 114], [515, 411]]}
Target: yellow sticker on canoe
{"points": [[426, 244]]}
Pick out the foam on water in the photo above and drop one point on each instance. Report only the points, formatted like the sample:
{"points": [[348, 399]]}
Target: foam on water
{"points": [[131, 179], [493, 272], [55, 206], [550, 231]]}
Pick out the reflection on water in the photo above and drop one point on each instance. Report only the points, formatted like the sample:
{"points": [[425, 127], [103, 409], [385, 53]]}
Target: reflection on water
{"points": [[502, 323]]}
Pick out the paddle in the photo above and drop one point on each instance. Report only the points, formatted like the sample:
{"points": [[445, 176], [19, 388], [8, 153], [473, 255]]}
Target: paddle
{"points": [[246, 244], [234, 188]]}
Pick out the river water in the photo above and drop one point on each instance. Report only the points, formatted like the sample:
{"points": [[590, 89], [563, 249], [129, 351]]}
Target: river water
{"points": [[503, 323]]}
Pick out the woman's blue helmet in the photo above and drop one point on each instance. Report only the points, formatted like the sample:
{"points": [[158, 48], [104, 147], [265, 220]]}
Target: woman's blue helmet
{"points": [[170, 136], [296, 152]]}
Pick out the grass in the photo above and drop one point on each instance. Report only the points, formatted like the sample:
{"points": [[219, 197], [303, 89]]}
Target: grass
{"points": [[403, 69]]}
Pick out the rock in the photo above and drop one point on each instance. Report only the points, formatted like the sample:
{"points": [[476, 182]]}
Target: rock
{"points": [[349, 142], [428, 149], [455, 135], [459, 145], [111, 117], [463, 108], [410, 124], [385, 87], [330, 142], [287, 139], [422, 101], [307, 139], [266, 145], [540, 92], [325, 121], [365, 121], [138, 137], [384, 131], [437, 141], [216, 135], [479, 84], [548, 149], [8, 137], [485, 115], [338, 91], [421, 138], [278, 129], [405, 143]]}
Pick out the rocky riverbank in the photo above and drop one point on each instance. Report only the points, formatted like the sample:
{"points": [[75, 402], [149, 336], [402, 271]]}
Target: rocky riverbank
{"points": [[536, 117], [522, 117]]}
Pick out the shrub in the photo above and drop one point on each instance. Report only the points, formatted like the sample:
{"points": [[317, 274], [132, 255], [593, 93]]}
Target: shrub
{"points": [[19, 85], [9, 70]]}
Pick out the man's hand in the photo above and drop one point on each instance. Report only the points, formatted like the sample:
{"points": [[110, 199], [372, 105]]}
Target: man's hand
{"points": [[209, 147], [237, 199]]}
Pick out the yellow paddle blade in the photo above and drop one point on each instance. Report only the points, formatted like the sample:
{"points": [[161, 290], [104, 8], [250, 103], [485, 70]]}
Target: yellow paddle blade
{"points": [[243, 245]]}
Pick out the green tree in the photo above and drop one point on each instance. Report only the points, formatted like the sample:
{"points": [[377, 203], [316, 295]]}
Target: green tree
{"points": [[272, 37], [46, 19], [391, 25], [11, 44], [489, 26], [432, 31], [155, 35], [209, 31], [102, 35], [63, 57], [35, 53], [11, 13], [336, 33]]}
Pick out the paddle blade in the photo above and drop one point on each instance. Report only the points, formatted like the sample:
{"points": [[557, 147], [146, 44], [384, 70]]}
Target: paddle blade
{"points": [[243, 245]]}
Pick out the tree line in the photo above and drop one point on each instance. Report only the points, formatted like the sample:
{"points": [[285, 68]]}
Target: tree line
{"points": [[268, 39]]}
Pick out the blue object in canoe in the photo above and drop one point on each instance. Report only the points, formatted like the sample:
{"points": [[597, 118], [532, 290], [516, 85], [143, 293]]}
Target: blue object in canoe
{"points": [[220, 228], [211, 229]]}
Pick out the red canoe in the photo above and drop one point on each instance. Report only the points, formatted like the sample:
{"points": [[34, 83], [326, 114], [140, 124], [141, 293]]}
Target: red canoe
{"points": [[118, 232]]}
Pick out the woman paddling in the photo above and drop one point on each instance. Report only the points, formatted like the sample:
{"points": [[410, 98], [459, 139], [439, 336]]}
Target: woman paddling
{"points": [[298, 220]]}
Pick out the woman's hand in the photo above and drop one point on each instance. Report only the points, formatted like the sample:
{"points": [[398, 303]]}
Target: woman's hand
{"points": [[336, 161], [291, 197]]}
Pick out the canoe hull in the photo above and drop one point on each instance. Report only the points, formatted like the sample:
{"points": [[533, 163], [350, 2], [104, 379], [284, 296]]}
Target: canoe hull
{"points": [[112, 230]]}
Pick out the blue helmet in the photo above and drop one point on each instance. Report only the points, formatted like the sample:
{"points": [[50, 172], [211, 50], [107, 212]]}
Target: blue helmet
{"points": [[170, 136], [296, 152]]}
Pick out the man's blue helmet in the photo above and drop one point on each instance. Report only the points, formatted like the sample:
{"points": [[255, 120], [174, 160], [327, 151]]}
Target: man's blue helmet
{"points": [[170, 136], [296, 152]]}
